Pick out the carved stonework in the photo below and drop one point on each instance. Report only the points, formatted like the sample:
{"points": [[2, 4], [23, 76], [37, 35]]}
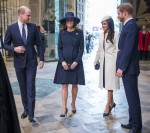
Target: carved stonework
{"points": [[50, 13], [143, 14]]}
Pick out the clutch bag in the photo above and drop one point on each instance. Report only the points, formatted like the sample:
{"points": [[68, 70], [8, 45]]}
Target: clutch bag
{"points": [[97, 66]]}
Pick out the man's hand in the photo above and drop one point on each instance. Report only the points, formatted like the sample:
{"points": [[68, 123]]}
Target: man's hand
{"points": [[19, 49], [119, 73], [73, 65], [41, 64]]}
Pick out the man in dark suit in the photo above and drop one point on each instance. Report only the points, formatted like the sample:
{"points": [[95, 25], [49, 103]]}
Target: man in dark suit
{"points": [[127, 66], [24, 36]]}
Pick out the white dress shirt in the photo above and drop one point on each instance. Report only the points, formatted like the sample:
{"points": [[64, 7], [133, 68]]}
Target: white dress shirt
{"points": [[21, 26]]}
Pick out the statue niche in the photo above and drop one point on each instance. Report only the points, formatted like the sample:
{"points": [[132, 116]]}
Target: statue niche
{"points": [[49, 17]]}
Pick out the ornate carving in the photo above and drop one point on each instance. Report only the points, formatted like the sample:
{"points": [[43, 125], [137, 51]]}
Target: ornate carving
{"points": [[148, 7]]}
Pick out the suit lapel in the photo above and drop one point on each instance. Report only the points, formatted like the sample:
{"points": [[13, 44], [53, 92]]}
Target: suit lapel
{"points": [[18, 30], [123, 29], [121, 35], [28, 32]]}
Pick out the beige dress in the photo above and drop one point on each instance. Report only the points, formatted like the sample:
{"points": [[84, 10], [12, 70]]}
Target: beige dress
{"points": [[106, 55]]}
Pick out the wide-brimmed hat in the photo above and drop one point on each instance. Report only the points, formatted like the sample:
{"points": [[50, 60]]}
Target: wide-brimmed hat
{"points": [[69, 15], [106, 18]]}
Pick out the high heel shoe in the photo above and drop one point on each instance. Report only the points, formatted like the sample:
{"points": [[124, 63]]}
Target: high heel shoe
{"points": [[73, 110], [64, 115], [106, 114], [113, 106]]}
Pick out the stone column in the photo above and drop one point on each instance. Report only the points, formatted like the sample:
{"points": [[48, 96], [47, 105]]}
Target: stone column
{"points": [[64, 7], [57, 17], [34, 6], [60, 10], [41, 12]]}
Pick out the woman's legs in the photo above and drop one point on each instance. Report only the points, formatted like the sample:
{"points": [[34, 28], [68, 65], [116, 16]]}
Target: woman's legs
{"points": [[74, 95], [111, 97], [64, 97], [110, 101]]}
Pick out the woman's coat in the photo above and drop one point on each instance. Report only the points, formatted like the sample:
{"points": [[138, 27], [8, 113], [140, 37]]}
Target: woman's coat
{"points": [[70, 49], [107, 69]]}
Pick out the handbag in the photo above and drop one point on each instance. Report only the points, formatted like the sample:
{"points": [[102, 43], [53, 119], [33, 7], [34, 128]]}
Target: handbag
{"points": [[97, 66]]}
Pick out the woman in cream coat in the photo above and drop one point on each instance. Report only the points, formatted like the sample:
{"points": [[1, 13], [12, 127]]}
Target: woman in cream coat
{"points": [[106, 55]]}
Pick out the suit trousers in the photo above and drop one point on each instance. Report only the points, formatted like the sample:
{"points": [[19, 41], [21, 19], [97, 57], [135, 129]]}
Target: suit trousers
{"points": [[143, 53], [131, 89], [26, 79]]}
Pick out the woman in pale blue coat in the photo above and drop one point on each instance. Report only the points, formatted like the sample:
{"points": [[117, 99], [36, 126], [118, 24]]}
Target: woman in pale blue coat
{"points": [[106, 54]]}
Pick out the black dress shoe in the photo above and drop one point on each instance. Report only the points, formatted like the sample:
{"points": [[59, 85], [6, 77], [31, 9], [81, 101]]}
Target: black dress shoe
{"points": [[24, 114], [126, 126], [135, 130], [32, 119]]}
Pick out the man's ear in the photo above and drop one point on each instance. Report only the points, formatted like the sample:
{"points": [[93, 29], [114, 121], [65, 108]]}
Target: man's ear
{"points": [[125, 13]]}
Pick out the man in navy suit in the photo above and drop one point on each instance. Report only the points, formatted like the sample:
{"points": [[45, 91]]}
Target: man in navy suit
{"points": [[127, 66], [21, 39]]}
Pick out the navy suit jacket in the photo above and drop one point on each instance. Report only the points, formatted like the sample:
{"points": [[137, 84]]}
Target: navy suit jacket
{"points": [[13, 39], [128, 57]]}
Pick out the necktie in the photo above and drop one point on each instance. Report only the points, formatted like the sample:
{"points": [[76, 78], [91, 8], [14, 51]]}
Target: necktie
{"points": [[24, 34]]}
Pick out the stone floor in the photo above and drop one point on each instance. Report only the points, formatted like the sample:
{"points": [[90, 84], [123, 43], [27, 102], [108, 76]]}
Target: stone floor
{"points": [[90, 103]]}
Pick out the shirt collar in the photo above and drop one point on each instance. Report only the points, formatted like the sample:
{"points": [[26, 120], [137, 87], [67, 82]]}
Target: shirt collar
{"points": [[20, 23], [127, 20]]}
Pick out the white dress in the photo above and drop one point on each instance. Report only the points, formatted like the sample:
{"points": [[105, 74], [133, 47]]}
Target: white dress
{"points": [[107, 55]]}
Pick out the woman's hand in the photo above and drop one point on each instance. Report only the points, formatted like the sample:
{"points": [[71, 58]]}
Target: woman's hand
{"points": [[65, 66], [73, 65]]}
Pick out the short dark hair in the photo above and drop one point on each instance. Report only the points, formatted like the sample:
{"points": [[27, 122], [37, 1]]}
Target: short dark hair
{"points": [[128, 7]]}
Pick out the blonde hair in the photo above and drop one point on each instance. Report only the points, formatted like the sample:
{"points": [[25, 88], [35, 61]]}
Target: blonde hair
{"points": [[22, 9]]}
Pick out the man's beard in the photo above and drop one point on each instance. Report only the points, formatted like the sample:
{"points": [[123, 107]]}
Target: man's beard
{"points": [[121, 19]]}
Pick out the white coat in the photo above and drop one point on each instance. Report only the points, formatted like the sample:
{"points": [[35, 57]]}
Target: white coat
{"points": [[109, 68]]}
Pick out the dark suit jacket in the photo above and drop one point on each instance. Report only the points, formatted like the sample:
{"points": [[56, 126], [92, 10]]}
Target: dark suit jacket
{"points": [[128, 58], [13, 39]]}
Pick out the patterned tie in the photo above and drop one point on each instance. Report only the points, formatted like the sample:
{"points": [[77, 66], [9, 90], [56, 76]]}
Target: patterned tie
{"points": [[24, 34]]}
